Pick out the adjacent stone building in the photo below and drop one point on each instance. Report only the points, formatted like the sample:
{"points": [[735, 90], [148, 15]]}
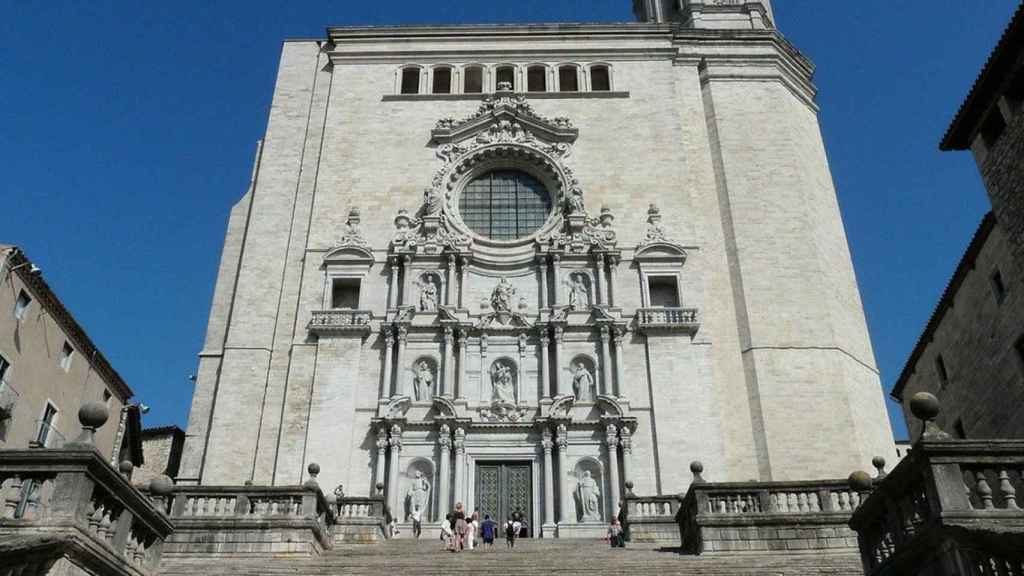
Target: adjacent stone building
{"points": [[518, 266], [161, 448], [49, 367]]}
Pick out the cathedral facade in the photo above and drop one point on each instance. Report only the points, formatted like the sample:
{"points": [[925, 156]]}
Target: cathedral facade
{"points": [[519, 266]]}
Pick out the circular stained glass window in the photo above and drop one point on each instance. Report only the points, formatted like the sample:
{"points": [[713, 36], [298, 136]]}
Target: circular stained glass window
{"points": [[505, 205]]}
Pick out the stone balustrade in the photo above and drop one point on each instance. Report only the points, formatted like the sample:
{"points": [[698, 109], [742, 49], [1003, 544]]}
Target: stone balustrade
{"points": [[652, 518], [668, 319], [949, 507], [340, 322], [360, 520], [245, 520], [69, 507]]}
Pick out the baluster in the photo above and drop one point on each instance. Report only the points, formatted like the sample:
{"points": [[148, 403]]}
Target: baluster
{"points": [[792, 503], [95, 517], [1007, 491], [984, 491], [815, 503], [666, 509]]}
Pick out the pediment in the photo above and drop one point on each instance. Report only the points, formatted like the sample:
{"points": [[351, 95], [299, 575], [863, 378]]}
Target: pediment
{"points": [[349, 255], [505, 117], [661, 251]]}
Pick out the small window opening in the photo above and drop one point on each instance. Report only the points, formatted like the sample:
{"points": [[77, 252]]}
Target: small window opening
{"points": [[4, 366], [1018, 347], [537, 79], [443, 81], [22, 304], [107, 396], [600, 79], [998, 286], [992, 128], [958, 429], [664, 291], [940, 369], [345, 293], [411, 81], [506, 74], [568, 80], [66, 353], [46, 425], [474, 80]]}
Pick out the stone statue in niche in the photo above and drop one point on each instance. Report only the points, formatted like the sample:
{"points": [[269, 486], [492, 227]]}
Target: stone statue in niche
{"points": [[589, 495], [575, 201], [502, 296], [423, 381], [428, 294], [579, 294], [503, 385], [583, 383], [431, 202], [419, 494]]}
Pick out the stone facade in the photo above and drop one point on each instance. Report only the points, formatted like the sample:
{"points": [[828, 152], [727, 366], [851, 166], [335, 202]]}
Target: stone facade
{"points": [[161, 449], [689, 295]]}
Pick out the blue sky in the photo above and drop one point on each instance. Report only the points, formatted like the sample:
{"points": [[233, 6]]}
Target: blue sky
{"points": [[127, 131]]}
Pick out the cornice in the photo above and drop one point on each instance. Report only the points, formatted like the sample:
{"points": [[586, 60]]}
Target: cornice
{"points": [[498, 32]]}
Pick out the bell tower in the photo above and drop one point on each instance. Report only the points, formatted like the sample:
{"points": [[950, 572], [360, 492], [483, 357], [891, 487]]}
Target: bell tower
{"points": [[712, 14]]}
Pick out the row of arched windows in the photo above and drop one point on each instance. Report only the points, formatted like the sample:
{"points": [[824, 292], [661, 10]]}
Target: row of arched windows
{"points": [[480, 78]]}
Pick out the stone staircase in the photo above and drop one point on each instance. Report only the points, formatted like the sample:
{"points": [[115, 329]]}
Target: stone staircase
{"points": [[541, 557]]}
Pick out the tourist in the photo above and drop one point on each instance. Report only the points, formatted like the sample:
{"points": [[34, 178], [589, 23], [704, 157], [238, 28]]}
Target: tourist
{"points": [[510, 533], [615, 534], [517, 530], [447, 533], [461, 527], [417, 526], [487, 530], [524, 528]]}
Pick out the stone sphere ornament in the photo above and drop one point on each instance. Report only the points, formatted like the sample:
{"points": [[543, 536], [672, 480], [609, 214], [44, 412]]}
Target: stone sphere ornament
{"points": [[125, 467], [697, 469], [93, 415], [861, 482], [380, 487], [925, 406], [161, 486], [313, 469]]}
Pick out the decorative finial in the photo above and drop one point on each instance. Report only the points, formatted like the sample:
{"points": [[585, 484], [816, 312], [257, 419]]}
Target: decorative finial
{"points": [[92, 416], [861, 483], [380, 488], [314, 471], [879, 463], [125, 468], [926, 408], [697, 469], [629, 488], [160, 489]]}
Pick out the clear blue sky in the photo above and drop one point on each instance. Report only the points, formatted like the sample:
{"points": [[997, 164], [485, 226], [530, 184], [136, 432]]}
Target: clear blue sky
{"points": [[127, 131]]}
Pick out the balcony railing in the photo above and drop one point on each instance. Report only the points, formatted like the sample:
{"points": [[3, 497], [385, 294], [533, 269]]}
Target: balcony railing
{"points": [[8, 400], [340, 322], [668, 319]]}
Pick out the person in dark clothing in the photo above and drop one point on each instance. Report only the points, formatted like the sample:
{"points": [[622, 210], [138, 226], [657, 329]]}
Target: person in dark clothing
{"points": [[510, 533], [488, 530]]}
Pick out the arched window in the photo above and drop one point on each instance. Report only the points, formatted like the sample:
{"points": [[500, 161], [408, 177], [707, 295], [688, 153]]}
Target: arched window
{"points": [[600, 78], [568, 79], [505, 204], [442, 80], [505, 74], [474, 80], [410, 80], [537, 79]]}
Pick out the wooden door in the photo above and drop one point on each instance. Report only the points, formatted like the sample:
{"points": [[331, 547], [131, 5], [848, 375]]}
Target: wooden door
{"points": [[504, 487]]}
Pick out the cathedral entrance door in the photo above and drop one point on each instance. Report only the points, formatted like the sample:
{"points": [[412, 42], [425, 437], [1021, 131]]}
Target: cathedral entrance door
{"points": [[502, 488]]}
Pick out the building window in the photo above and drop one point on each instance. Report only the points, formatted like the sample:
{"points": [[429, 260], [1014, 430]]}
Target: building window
{"points": [[664, 291], [600, 79], [537, 79], [940, 369], [442, 81], [998, 286], [568, 80], [505, 205], [474, 81], [506, 74], [345, 293], [411, 81], [66, 353], [22, 304], [106, 397], [45, 433]]}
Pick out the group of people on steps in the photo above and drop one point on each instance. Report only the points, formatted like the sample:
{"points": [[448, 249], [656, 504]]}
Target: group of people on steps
{"points": [[460, 532]]}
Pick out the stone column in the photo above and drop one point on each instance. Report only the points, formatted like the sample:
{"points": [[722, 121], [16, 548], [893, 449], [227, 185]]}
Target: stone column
{"points": [[613, 280], [444, 443], [612, 441], [627, 454], [382, 456], [598, 280], [556, 265], [407, 281], [549, 479], [393, 282], [396, 455], [403, 336], [606, 360], [449, 295], [620, 381], [463, 280], [389, 344], [542, 262], [565, 492], [448, 384], [460, 390], [560, 385], [460, 464], [545, 343]]}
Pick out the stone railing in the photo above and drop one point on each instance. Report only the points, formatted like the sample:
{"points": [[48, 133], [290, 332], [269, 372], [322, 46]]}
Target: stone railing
{"points": [[360, 520], [735, 516], [246, 520], [652, 518], [340, 321], [949, 507], [69, 506], [668, 319]]}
